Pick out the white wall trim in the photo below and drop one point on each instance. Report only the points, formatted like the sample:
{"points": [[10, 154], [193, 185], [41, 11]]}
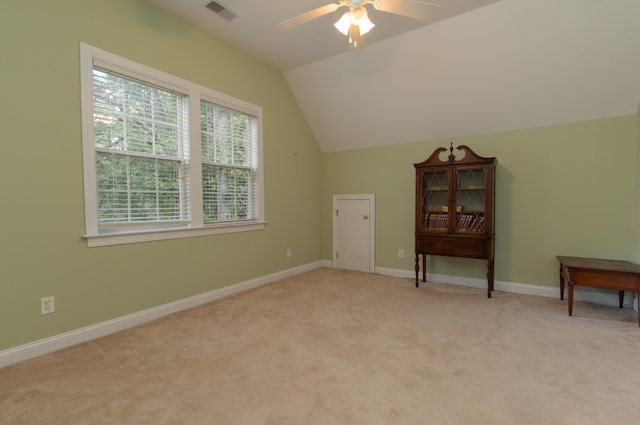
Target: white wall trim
{"points": [[57, 342], [609, 298]]}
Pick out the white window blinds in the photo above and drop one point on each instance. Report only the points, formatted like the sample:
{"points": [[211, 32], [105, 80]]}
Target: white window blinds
{"points": [[229, 163], [141, 155]]}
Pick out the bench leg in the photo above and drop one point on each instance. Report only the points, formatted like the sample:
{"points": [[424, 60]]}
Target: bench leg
{"points": [[638, 297], [570, 300], [561, 284]]}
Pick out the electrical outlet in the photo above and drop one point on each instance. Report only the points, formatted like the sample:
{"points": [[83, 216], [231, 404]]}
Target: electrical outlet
{"points": [[288, 252], [47, 305], [401, 253]]}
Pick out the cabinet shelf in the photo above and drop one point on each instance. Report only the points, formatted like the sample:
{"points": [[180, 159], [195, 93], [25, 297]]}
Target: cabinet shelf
{"points": [[470, 223]]}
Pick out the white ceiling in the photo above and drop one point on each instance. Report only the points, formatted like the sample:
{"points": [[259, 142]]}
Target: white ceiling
{"points": [[254, 29], [479, 67]]}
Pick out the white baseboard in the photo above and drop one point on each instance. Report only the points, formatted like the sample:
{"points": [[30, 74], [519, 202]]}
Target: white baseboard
{"points": [[67, 339], [604, 297], [57, 342]]}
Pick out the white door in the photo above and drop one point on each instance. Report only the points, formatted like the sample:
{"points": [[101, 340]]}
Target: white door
{"points": [[354, 232]]}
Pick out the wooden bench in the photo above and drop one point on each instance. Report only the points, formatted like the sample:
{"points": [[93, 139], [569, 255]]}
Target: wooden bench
{"points": [[597, 273]]}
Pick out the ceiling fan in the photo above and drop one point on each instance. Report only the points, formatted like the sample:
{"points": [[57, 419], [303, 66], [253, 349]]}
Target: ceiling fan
{"points": [[355, 23]]}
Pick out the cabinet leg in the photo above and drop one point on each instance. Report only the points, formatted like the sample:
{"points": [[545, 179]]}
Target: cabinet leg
{"points": [[489, 278], [621, 297], [417, 269], [424, 267]]}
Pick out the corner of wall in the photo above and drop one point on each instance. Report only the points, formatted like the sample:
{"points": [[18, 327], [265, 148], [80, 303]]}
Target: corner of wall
{"points": [[635, 303]]}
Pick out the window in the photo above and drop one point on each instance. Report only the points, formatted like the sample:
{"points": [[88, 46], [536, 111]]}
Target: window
{"points": [[165, 158], [228, 163]]}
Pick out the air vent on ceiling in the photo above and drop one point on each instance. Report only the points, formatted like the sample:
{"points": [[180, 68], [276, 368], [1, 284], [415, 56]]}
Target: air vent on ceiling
{"points": [[220, 10]]}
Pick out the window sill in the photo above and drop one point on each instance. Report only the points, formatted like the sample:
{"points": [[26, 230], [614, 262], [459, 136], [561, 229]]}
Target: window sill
{"points": [[161, 235]]}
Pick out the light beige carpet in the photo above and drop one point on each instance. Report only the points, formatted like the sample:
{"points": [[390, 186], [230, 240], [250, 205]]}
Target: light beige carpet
{"points": [[340, 347]]}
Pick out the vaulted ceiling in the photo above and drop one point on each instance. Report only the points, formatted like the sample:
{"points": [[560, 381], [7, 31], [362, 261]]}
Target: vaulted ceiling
{"points": [[474, 67]]}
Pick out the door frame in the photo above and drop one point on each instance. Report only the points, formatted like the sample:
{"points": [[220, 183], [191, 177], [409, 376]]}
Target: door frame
{"points": [[372, 226]]}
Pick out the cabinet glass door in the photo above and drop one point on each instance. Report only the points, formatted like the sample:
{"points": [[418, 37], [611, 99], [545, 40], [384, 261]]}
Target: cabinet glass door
{"points": [[470, 200], [435, 200]]}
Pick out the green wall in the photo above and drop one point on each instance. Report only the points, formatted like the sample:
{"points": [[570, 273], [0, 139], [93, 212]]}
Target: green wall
{"points": [[42, 252], [568, 189], [561, 190]]}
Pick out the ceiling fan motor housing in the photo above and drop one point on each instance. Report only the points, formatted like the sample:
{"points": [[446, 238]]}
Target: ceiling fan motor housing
{"points": [[357, 14]]}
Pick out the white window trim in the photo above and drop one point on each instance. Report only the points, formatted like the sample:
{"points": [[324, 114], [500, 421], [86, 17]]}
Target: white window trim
{"points": [[89, 56]]}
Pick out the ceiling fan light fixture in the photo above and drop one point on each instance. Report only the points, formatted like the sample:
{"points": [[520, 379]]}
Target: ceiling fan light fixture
{"points": [[365, 25], [354, 24], [343, 24]]}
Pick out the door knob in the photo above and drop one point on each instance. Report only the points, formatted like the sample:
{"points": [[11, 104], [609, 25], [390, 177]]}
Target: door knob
{"points": [[366, 217]]}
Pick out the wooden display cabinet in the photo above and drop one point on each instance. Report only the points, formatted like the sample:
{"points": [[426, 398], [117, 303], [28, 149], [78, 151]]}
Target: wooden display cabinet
{"points": [[455, 203]]}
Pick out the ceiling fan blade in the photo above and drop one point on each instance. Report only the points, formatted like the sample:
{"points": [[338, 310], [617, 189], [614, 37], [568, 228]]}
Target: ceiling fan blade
{"points": [[428, 3], [308, 16], [416, 9]]}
